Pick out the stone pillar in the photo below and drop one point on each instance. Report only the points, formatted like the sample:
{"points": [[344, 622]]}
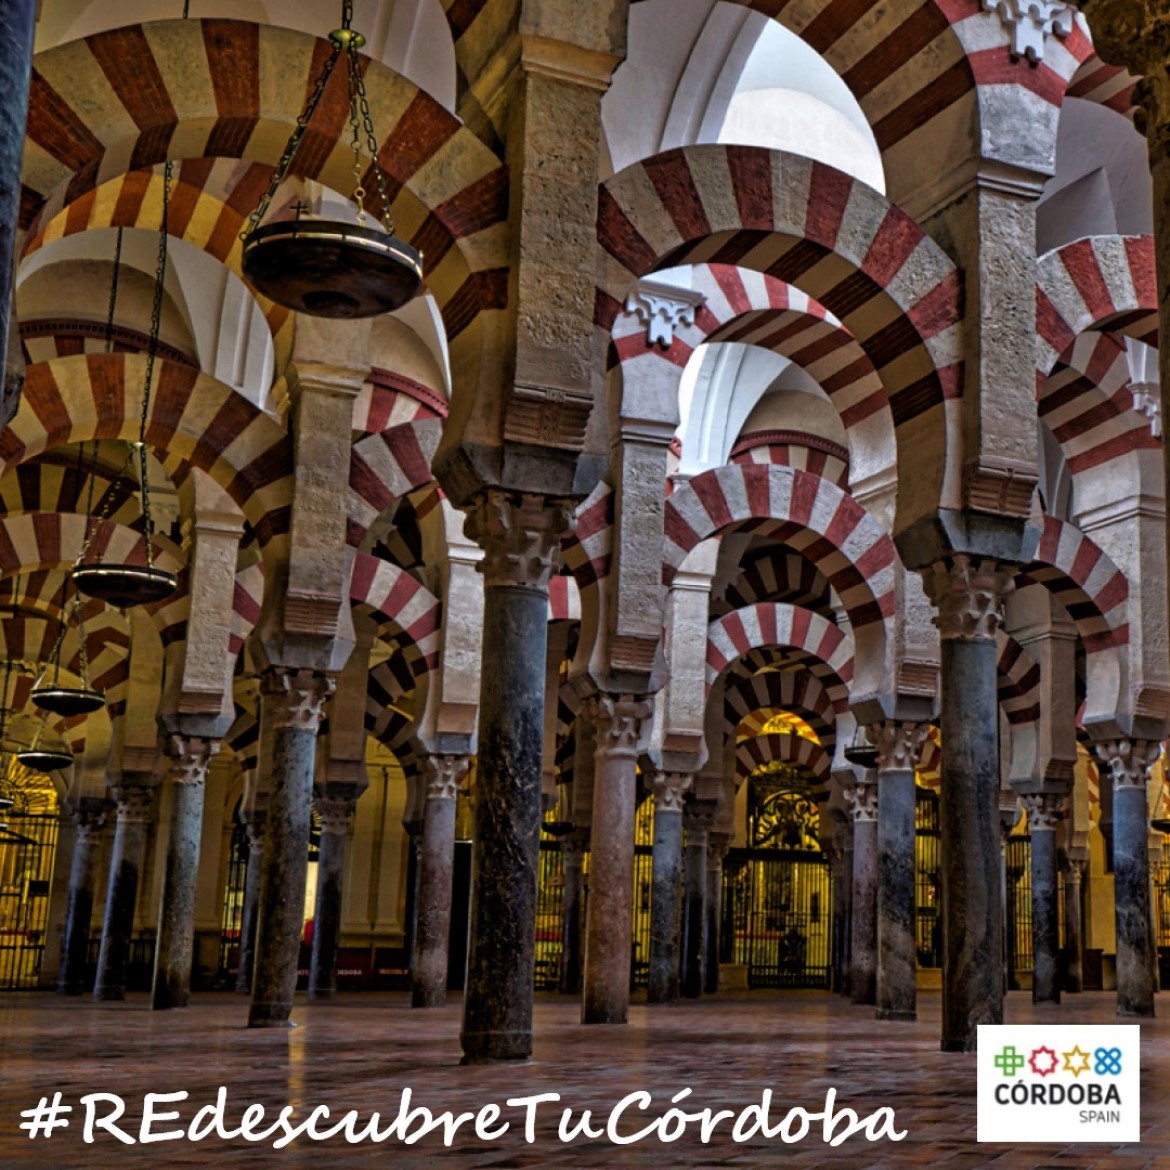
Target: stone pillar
{"points": [[432, 933], [573, 850], [698, 816], [88, 820], [968, 592], [717, 845], [846, 986], [174, 952], [666, 886], [1044, 812], [251, 909], [293, 702], [1137, 969], [1074, 935], [518, 535], [17, 21], [618, 721], [336, 813], [862, 799], [135, 806], [899, 745]]}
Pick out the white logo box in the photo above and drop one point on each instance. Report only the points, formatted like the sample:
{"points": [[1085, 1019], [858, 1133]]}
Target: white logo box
{"points": [[1053, 1097]]}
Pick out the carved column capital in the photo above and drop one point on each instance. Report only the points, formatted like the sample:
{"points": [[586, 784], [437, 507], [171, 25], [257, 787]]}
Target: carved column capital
{"points": [[662, 308], [968, 593], [899, 744], [618, 721], [862, 801], [519, 533], [444, 774], [1074, 870], [135, 803], [190, 757], [670, 789], [296, 697], [89, 823], [1045, 811], [698, 817], [336, 813], [1128, 760]]}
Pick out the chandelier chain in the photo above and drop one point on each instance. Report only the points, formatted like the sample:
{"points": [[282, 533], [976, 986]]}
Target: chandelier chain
{"points": [[291, 147], [359, 100]]}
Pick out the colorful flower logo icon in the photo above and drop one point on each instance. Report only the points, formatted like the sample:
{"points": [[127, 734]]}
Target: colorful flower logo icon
{"points": [[1042, 1061]]}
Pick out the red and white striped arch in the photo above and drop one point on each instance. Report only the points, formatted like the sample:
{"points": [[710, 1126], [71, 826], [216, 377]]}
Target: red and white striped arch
{"points": [[774, 691], [809, 514], [192, 417], [395, 596], [1087, 403], [1096, 283], [798, 450], [806, 224], [385, 466], [778, 576], [127, 99], [1018, 681], [753, 308], [735, 634], [1110, 86], [753, 754]]}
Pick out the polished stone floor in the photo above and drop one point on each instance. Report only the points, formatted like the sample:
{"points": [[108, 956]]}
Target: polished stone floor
{"points": [[362, 1051]]}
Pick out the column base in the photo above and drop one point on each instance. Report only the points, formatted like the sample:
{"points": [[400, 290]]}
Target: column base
{"points": [[961, 1045], [1136, 1013], [484, 1047], [109, 995], [322, 994], [612, 1019], [265, 1015], [894, 1014], [428, 999]]}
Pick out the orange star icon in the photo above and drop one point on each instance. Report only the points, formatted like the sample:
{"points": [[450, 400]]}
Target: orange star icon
{"points": [[1076, 1061]]}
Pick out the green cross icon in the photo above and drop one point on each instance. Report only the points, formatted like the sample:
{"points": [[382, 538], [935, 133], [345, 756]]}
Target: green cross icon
{"points": [[1009, 1061]]}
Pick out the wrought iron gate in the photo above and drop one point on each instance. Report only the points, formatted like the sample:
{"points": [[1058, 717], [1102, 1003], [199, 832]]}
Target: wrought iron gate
{"points": [[26, 876], [928, 879], [778, 917]]}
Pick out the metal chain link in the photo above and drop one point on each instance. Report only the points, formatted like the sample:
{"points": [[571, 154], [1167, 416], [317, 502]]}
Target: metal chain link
{"points": [[358, 88], [7, 673], [293, 144], [114, 292]]}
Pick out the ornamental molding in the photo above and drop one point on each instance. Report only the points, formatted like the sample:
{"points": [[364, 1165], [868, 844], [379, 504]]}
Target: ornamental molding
{"points": [[1147, 401], [1045, 811], [670, 788], [519, 534], [336, 813], [135, 803], [619, 721], [968, 593], [444, 774], [899, 744], [1129, 760], [862, 801], [296, 697], [1031, 22], [662, 308]]}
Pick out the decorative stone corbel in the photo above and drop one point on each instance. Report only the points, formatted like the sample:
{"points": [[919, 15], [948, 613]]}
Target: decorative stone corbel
{"points": [[1032, 22], [663, 308]]}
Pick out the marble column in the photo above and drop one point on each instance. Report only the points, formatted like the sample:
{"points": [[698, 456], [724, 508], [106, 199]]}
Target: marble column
{"points": [[432, 932], [88, 820], [518, 535], [293, 702], [336, 814], [862, 799], [698, 816], [135, 805], [573, 850], [899, 745], [251, 909], [1044, 813], [836, 856], [666, 886], [618, 721], [717, 846], [175, 950], [1074, 937], [1129, 762], [968, 592], [846, 987]]}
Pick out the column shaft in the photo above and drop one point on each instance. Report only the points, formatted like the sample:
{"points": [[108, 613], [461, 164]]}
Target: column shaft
{"points": [[1043, 815], [695, 914], [174, 952], [1074, 940], [572, 914], [501, 962], [436, 876], [71, 978], [666, 901], [327, 914], [863, 950], [251, 908], [897, 957], [127, 859], [1136, 961], [714, 909], [293, 700], [970, 847]]}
